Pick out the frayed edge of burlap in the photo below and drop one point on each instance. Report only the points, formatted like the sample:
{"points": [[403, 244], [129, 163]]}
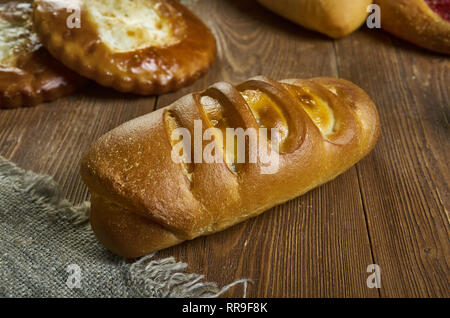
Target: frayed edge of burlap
{"points": [[167, 278], [44, 191], [149, 277]]}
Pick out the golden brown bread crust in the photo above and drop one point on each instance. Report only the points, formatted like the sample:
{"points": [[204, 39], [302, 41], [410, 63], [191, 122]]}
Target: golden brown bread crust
{"points": [[152, 69], [416, 22], [28, 74], [143, 201], [331, 17]]}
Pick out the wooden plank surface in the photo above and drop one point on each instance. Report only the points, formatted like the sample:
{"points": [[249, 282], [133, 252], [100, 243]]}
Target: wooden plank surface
{"points": [[51, 138], [390, 209], [406, 180]]}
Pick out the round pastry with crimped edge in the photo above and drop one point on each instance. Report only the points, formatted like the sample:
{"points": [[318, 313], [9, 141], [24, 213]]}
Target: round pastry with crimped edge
{"points": [[28, 74], [137, 46], [425, 23], [143, 200]]}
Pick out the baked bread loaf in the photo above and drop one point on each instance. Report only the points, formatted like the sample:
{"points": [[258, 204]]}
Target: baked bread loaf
{"points": [[28, 74], [335, 18], [138, 46], [425, 23], [142, 200]]}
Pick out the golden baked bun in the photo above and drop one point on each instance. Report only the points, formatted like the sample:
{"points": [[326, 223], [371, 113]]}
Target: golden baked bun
{"points": [[425, 23], [28, 74], [138, 46], [335, 18], [142, 200]]}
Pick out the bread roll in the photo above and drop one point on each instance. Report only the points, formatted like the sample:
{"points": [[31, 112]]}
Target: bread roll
{"points": [[143, 200], [335, 18], [424, 23]]}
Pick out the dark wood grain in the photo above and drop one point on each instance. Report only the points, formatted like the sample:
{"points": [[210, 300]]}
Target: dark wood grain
{"points": [[405, 183], [390, 209], [51, 138]]}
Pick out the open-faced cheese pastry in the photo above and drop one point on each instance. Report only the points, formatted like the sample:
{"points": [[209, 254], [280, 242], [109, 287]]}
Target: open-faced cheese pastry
{"points": [[28, 74], [138, 46]]}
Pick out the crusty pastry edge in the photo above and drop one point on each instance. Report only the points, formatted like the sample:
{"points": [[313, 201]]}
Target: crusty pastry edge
{"points": [[57, 47], [29, 95], [415, 22]]}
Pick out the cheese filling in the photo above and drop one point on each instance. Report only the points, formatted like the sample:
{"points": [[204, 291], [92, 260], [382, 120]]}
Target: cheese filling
{"points": [[267, 113], [219, 122], [16, 35], [129, 25], [319, 111]]}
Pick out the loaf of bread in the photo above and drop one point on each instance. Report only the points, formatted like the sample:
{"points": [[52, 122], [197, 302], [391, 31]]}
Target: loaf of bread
{"points": [[142, 200], [335, 18], [425, 23]]}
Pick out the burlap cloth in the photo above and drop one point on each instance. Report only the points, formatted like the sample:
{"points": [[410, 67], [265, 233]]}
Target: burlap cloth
{"points": [[47, 249]]}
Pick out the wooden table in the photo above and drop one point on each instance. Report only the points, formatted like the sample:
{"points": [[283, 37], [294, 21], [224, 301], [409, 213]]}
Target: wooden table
{"points": [[391, 209]]}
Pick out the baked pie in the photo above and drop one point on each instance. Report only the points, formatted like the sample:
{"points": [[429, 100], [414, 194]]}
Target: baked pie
{"points": [[139, 46], [425, 23], [28, 74]]}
